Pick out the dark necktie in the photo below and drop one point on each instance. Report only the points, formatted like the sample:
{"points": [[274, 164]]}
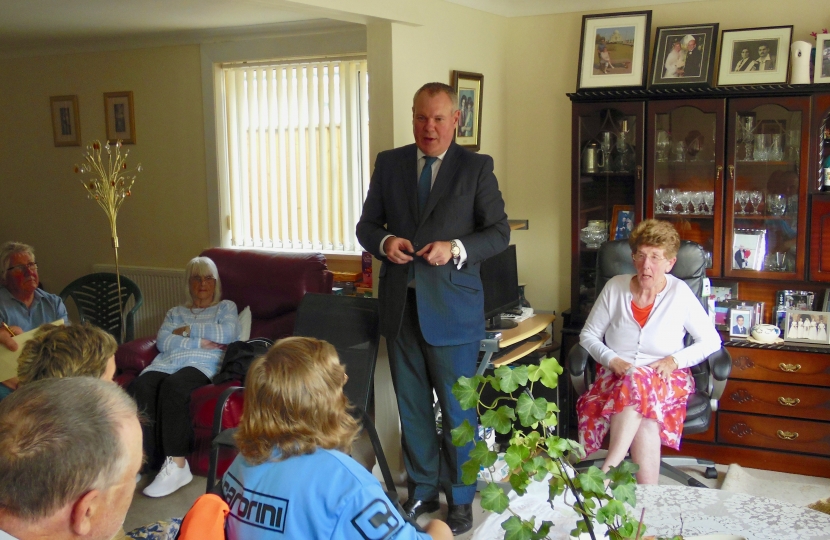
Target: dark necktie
{"points": [[425, 183]]}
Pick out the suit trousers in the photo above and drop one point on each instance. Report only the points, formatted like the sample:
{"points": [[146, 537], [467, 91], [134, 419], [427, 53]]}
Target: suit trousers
{"points": [[418, 368], [164, 400]]}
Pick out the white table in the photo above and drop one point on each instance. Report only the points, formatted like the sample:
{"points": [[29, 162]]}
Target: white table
{"points": [[704, 511]]}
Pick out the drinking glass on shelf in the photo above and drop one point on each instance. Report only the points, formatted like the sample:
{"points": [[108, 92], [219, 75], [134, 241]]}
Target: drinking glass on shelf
{"points": [[663, 145], [755, 197], [697, 202], [605, 148], [793, 145], [776, 204], [742, 197], [709, 199], [670, 200], [680, 151], [761, 147], [747, 138], [684, 197], [776, 151]]}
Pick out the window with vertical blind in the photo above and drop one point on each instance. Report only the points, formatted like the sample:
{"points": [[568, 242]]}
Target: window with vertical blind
{"points": [[294, 170]]}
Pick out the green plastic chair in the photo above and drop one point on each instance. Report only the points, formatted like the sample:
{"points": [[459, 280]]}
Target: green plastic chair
{"points": [[96, 297]]}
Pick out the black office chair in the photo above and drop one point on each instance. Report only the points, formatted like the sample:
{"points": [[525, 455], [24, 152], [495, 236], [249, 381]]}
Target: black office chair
{"points": [[614, 258], [352, 326], [96, 297]]}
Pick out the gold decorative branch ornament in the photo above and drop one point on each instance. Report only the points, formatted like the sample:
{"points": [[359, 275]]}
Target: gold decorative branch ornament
{"points": [[109, 184]]}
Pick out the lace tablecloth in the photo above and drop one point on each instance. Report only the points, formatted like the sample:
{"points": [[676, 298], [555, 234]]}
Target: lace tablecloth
{"points": [[704, 511]]}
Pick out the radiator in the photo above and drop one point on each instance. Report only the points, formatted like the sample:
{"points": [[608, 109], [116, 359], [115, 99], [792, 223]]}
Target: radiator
{"points": [[162, 288]]}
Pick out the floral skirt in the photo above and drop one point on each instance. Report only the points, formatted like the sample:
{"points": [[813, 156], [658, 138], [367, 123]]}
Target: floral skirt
{"points": [[641, 388]]}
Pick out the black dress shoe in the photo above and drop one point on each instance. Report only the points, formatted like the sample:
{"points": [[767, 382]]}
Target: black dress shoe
{"points": [[415, 507], [460, 518]]}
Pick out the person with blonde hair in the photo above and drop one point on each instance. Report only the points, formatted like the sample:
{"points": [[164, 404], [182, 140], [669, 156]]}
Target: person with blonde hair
{"points": [[80, 350], [636, 333], [293, 477], [191, 342]]}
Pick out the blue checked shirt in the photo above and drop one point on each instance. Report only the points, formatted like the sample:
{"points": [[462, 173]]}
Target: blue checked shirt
{"points": [[217, 323]]}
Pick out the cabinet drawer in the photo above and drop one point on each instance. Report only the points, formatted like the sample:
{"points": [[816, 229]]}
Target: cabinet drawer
{"points": [[776, 399], [780, 366], [774, 433]]}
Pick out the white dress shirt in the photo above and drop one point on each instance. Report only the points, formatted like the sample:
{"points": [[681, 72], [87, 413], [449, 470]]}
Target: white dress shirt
{"points": [[676, 311]]}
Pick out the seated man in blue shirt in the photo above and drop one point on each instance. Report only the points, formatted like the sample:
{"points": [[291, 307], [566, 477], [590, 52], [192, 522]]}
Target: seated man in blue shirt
{"points": [[23, 306]]}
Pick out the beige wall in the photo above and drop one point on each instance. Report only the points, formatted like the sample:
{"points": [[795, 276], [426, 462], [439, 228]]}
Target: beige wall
{"points": [[543, 54]]}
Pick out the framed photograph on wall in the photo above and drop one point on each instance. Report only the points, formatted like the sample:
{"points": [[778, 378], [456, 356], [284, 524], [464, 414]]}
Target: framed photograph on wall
{"points": [[622, 222], [613, 50], [749, 249], [120, 117], [807, 327], [684, 55], [66, 123], [754, 55], [469, 87], [740, 321], [822, 71]]}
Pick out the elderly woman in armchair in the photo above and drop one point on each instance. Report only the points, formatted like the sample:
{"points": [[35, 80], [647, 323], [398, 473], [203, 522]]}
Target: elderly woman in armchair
{"points": [[636, 332], [191, 341]]}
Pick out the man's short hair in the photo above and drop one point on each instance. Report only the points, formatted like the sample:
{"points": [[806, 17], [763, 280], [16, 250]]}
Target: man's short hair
{"points": [[65, 351], [6, 251], [436, 87], [741, 317], [59, 439]]}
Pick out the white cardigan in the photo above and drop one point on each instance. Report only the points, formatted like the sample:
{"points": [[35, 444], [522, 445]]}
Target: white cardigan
{"points": [[676, 311]]}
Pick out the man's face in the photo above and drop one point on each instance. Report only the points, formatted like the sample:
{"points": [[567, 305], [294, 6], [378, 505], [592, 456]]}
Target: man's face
{"points": [[434, 122], [762, 50], [117, 498], [740, 321], [690, 46], [21, 278]]}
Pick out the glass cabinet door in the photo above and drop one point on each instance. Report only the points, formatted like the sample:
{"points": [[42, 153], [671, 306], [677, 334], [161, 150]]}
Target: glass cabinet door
{"points": [[607, 165], [821, 138], [685, 164], [766, 188]]}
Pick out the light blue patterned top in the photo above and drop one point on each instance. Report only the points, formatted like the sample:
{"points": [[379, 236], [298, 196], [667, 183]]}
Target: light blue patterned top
{"points": [[217, 323]]}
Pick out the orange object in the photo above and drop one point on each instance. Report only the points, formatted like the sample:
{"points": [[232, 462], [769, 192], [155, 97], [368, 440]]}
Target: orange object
{"points": [[347, 276], [641, 314], [205, 520]]}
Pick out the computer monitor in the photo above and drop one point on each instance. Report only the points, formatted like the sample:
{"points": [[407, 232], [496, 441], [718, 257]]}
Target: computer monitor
{"points": [[500, 281]]}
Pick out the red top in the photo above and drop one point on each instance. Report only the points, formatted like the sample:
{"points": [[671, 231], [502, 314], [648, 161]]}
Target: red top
{"points": [[641, 314]]}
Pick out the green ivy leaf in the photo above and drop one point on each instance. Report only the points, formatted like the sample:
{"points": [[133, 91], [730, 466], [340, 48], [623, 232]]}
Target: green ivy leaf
{"points": [[555, 487], [530, 410], [543, 531], [629, 529], [556, 446], [592, 480], [483, 455], [511, 378], [611, 510], [469, 472], [463, 434], [625, 493], [501, 419], [466, 391], [494, 499], [548, 372], [519, 480], [516, 529], [516, 455]]}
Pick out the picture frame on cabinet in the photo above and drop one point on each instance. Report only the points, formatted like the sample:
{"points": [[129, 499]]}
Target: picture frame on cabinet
{"points": [[120, 117], [740, 321], [470, 88], [723, 290], [822, 70], [622, 222], [748, 249], [825, 306], [613, 50], [684, 55], [66, 122], [754, 55], [807, 327]]}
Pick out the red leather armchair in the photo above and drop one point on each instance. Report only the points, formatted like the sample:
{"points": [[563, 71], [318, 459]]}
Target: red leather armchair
{"points": [[272, 284]]}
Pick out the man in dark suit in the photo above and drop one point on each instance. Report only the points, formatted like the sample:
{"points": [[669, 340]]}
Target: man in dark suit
{"points": [[693, 57], [739, 328], [433, 213]]}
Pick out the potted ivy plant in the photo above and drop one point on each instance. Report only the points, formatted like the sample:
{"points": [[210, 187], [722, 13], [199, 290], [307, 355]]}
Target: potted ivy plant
{"points": [[536, 454]]}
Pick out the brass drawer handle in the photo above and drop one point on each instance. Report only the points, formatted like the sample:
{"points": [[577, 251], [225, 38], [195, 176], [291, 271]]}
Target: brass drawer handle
{"points": [[787, 435], [789, 368], [788, 401]]}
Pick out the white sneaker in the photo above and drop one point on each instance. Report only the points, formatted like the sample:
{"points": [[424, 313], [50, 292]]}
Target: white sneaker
{"points": [[170, 478]]}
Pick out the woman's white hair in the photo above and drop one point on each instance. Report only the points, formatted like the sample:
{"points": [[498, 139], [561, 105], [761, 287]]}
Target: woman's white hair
{"points": [[205, 267]]}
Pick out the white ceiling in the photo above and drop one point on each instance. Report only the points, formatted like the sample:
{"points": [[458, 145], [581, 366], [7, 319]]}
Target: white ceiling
{"points": [[33, 27]]}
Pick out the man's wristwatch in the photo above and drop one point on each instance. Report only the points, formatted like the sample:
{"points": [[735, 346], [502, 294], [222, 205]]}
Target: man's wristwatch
{"points": [[186, 332], [455, 249]]}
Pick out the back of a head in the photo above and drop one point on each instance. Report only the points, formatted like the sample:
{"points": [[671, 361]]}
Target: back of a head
{"points": [[60, 438], [295, 402], [66, 351]]}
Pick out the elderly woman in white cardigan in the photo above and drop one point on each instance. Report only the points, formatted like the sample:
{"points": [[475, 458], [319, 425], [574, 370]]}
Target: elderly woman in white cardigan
{"points": [[636, 333], [191, 340]]}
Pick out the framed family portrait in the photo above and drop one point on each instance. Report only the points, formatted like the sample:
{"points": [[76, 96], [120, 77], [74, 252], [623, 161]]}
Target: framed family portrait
{"points": [[684, 55], [807, 327], [613, 50], [822, 72], [120, 117], [749, 249], [622, 222], [754, 55], [66, 124], [740, 322], [469, 87]]}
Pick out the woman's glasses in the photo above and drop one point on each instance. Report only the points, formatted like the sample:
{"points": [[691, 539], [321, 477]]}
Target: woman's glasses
{"points": [[641, 258], [201, 279]]}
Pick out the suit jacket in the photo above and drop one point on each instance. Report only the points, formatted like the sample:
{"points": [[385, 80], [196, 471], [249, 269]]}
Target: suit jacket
{"points": [[465, 204], [692, 66], [738, 330]]}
